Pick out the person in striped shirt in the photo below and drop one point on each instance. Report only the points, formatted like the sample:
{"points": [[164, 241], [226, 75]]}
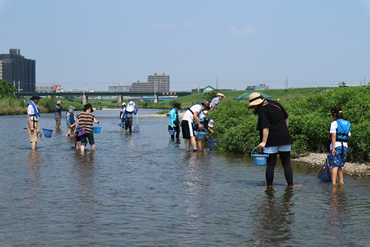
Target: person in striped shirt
{"points": [[85, 122]]}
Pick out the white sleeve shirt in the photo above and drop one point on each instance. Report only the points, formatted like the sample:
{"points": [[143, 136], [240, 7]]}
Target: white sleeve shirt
{"points": [[333, 129]]}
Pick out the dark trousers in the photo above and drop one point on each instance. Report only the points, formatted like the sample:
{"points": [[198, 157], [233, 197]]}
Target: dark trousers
{"points": [[271, 162], [177, 129], [128, 123]]}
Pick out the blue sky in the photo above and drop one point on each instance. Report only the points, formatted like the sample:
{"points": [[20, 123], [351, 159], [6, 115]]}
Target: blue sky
{"points": [[240, 42]]}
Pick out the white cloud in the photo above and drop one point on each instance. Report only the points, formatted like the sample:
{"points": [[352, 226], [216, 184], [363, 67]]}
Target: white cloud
{"points": [[243, 31], [163, 26], [189, 23]]}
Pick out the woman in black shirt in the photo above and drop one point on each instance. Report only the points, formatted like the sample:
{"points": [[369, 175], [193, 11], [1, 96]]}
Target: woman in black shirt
{"points": [[273, 123]]}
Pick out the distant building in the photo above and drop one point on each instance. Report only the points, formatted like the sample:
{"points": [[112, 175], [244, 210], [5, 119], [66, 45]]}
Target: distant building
{"points": [[157, 83], [259, 87], [19, 71], [120, 88], [206, 89]]}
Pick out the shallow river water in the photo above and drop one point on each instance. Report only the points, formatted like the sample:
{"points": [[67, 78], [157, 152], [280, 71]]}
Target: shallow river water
{"points": [[145, 190]]}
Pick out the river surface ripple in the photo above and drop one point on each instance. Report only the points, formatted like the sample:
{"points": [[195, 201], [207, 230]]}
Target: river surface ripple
{"points": [[146, 190]]}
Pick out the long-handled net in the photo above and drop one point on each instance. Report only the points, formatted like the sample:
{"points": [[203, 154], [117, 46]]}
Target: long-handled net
{"points": [[137, 128], [325, 173]]}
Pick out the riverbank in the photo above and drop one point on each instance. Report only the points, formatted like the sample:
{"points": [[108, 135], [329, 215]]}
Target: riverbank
{"points": [[352, 169]]}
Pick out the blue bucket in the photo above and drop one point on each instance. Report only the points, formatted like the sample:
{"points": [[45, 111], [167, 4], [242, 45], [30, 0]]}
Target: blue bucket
{"points": [[259, 159], [172, 132], [97, 129], [201, 135], [121, 125], [47, 133], [212, 143]]}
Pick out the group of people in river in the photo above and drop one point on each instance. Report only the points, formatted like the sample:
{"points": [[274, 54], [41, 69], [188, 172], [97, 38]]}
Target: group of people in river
{"points": [[272, 124]]}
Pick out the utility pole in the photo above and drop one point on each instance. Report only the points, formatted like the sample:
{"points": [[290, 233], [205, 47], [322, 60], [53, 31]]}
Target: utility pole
{"points": [[217, 82], [364, 81], [155, 91], [19, 88]]}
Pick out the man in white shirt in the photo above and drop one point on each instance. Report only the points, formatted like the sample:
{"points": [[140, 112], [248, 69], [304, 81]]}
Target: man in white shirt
{"points": [[192, 114], [33, 126]]}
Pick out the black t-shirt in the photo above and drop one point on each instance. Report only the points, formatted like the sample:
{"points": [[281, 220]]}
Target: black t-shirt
{"points": [[273, 116]]}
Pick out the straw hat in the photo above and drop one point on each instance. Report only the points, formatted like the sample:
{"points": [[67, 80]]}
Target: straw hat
{"points": [[220, 94], [255, 99], [123, 103]]}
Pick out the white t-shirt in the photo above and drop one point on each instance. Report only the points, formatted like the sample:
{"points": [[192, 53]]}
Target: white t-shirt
{"points": [[31, 111], [333, 129], [188, 116]]}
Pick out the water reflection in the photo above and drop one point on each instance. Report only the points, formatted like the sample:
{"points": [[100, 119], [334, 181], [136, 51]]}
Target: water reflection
{"points": [[33, 166], [335, 221], [85, 212], [274, 217]]}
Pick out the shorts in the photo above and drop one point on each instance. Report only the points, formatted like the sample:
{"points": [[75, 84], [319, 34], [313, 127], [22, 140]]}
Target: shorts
{"points": [[57, 120], [90, 137], [338, 160], [78, 138], [275, 149], [34, 136], [187, 129], [69, 131]]}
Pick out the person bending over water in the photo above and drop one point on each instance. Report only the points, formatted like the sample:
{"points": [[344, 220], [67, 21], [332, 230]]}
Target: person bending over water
{"points": [[174, 122], [273, 123], [192, 114]]}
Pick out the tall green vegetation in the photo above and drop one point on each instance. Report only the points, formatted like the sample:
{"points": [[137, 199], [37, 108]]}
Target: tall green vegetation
{"points": [[309, 122], [6, 89]]}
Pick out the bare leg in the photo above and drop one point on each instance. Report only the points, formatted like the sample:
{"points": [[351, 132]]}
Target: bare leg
{"points": [[334, 173], [193, 143], [340, 175], [187, 144], [93, 147], [33, 145], [77, 145], [82, 148], [201, 145]]}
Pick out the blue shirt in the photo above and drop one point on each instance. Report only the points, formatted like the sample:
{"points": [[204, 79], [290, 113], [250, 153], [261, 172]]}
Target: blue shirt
{"points": [[173, 115]]}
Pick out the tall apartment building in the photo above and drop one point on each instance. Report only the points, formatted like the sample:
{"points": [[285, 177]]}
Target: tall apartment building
{"points": [[18, 70], [158, 83]]}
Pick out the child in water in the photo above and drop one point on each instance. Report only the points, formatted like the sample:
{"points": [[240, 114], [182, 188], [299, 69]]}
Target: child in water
{"points": [[207, 124], [339, 137]]}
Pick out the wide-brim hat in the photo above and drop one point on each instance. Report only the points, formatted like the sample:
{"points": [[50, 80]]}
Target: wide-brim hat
{"points": [[255, 99], [71, 108], [220, 94], [35, 96]]}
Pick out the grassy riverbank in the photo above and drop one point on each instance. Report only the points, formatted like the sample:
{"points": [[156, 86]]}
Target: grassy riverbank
{"points": [[309, 121]]}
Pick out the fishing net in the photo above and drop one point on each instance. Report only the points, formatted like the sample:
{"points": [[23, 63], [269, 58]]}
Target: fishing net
{"points": [[325, 173]]}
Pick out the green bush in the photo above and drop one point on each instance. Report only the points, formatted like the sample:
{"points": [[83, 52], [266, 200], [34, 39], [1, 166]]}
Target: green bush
{"points": [[309, 122]]}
